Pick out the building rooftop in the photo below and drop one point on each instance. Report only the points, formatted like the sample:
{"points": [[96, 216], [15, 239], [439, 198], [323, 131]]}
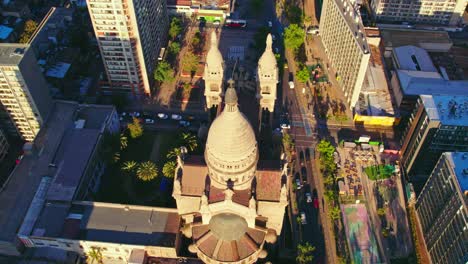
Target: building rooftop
{"points": [[351, 14], [459, 161], [113, 223], [426, 39], [12, 53], [413, 58], [53, 145], [417, 83], [375, 99], [450, 110]]}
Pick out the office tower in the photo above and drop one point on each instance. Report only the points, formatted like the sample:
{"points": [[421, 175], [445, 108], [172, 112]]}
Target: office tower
{"points": [[130, 34], [24, 95], [438, 124], [448, 12], [345, 43], [442, 209]]}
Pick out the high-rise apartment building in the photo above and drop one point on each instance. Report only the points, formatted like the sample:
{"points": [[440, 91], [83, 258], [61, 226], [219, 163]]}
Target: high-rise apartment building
{"points": [[438, 124], [24, 96], [130, 34], [444, 12], [345, 43], [442, 209]]}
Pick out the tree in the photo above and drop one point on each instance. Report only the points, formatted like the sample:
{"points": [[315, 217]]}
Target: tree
{"points": [[135, 128], [29, 27], [129, 165], [303, 75], [174, 48], [95, 254], [381, 211], [175, 27], [335, 213], [190, 62], [257, 5], [169, 169], [307, 20], [329, 195], [147, 171], [173, 153], [189, 141], [294, 14], [325, 148], [293, 37], [163, 72], [328, 180], [304, 253], [196, 39]]}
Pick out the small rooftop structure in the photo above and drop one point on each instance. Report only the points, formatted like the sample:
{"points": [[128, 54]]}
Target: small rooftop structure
{"points": [[432, 41], [449, 110], [417, 83], [5, 32], [413, 58], [459, 162], [58, 70]]}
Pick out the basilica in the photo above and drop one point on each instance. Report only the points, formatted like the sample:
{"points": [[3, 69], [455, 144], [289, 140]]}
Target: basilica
{"points": [[231, 202]]}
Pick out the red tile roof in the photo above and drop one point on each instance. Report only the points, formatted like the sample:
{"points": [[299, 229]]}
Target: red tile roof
{"points": [[268, 185], [194, 176]]}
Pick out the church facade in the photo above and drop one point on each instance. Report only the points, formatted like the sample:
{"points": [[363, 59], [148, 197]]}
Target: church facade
{"points": [[231, 203]]}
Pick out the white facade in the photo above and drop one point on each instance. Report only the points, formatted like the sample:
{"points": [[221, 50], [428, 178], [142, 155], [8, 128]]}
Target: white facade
{"points": [[130, 35], [346, 46], [448, 12]]}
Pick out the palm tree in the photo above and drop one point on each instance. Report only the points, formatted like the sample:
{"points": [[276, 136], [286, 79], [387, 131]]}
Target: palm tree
{"points": [[123, 141], [335, 213], [129, 165], [95, 255], [173, 153], [304, 254], [190, 141], [169, 169], [147, 171]]}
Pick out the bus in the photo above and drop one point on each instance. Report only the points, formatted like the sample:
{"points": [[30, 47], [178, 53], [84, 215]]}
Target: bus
{"points": [[236, 23]]}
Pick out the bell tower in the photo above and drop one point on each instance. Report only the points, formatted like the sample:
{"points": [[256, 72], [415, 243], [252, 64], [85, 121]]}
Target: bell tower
{"points": [[267, 73], [213, 74]]}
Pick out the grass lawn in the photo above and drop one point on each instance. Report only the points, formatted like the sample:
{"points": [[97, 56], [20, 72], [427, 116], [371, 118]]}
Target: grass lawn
{"points": [[379, 172]]}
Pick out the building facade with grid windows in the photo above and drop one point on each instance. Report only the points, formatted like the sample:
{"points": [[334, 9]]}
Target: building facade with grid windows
{"points": [[130, 35], [345, 43], [24, 96], [443, 12], [438, 124], [4, 146], [442, 209]]}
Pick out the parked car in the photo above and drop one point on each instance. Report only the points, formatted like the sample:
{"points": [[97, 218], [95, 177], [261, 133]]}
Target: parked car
{"points": [[291, 84], [298, 183], [136, 114], [184, 123], [276, 50], [284, 123], [149, 121], [270, 24], [315, 199], [309, 197], [303, 218], [162, 116], [176, 117]]}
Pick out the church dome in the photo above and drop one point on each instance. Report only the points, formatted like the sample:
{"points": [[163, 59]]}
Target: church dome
{"points": [[267, 61], [231, 148], [214, 59]]}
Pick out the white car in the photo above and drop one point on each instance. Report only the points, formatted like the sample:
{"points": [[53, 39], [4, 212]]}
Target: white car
{"points": [[303, 218], [162, 116], [136, 114], [291, 84], [149, 121], [308, 197], [176, 117], [270, 24]]}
